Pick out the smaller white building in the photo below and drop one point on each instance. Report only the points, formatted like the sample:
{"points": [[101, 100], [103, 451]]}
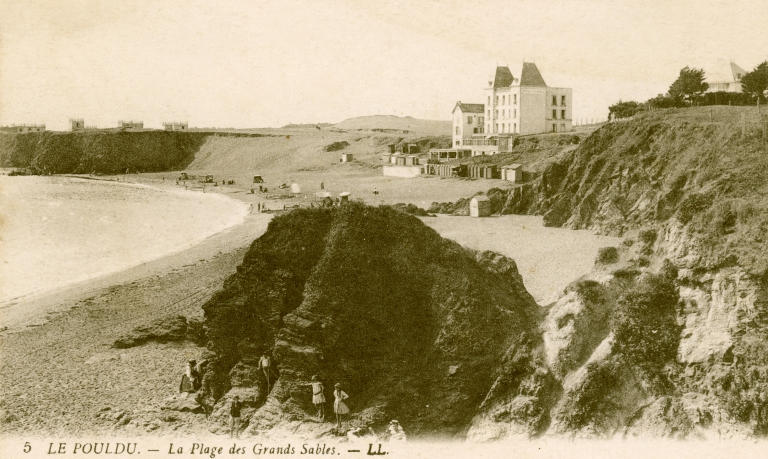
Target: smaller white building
{"points": [[480, 206], [468, 121], [724, 77]]}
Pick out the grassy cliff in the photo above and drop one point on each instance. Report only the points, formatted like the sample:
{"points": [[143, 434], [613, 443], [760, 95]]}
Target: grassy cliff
{"points": [[99, 151]]}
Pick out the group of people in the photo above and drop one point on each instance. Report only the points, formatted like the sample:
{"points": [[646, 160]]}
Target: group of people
{"points": [[340, 408], [191, 382]]}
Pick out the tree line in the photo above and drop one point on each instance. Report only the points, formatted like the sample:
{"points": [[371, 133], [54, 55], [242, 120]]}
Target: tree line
{"points": [[690, 89]]}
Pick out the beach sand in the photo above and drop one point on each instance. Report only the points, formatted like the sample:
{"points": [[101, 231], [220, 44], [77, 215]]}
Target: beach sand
{"points": [[61, 372]]}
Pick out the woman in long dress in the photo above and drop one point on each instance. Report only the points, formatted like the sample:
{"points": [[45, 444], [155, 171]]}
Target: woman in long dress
{"points": [[188, 378], [318, 397], [339, 407]]}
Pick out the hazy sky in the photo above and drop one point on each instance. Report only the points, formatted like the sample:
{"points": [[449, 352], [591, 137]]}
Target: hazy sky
{"points": [[268, 63]]}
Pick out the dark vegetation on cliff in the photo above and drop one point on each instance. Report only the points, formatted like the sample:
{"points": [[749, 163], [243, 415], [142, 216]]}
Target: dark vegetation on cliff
{"points": [[103, 152], [413, 326]]}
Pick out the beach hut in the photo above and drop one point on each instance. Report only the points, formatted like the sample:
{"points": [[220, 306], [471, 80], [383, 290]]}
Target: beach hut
{"points": [[344, 196], [295, 188], [512, 173], [480, 206], [346, 157]]}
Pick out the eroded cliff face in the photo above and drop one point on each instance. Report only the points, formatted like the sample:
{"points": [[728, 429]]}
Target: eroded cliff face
{"points": [[414, 327], [687, 195]]}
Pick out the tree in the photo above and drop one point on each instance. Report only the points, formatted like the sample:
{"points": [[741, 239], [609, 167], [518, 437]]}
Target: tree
{"points": [[689, 84], [623, 109], [755, 82]]}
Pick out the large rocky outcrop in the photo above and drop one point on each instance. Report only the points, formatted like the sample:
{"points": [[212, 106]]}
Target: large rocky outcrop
{"points": [[413, 326]]}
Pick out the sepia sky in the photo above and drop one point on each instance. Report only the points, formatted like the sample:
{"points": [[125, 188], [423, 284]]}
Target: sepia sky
{"points": [[268, 63]]}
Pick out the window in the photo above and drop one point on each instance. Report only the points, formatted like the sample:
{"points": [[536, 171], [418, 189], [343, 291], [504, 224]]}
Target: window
{"points": [[562, 114], [562, 128], [554, 114], [497, 100], [495, 113], [562, 100], [469, 120], [457, 130], [515, 99], [554, 128], [489, 100], [458, 142], [515, 114], [515, 127]]}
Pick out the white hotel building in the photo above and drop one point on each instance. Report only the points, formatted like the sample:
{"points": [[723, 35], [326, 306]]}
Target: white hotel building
{"points": [[513, 106]]}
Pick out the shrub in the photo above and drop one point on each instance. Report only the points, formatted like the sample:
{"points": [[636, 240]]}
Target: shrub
{"points": [[643, 262], [648, 237], [607, 255], [645, 324], [624, 109], [693, 205]]}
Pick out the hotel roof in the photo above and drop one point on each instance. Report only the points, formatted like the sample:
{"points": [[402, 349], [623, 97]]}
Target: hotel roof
{"points": [[531, 75]]}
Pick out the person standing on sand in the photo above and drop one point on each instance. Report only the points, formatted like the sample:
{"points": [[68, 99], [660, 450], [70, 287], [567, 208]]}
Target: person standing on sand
{"points": [[188, 378], [318, 397], [339, 407], [265, 364], [234, 415]]}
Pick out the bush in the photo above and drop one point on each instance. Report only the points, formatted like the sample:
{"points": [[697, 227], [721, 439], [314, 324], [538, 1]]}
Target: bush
{"points": [[645, 324], [624, 109], [648, 237], [693, 205], [607, 255]]}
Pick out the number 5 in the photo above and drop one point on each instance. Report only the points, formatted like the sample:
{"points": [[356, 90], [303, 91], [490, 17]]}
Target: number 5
{"points": [[27, 447]]}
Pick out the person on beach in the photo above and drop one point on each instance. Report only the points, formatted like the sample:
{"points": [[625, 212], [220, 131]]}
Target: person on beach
{"points": [[318, 397], [265, 363], [395, 431], [234, 415], [188, 378], [339, 407]]}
